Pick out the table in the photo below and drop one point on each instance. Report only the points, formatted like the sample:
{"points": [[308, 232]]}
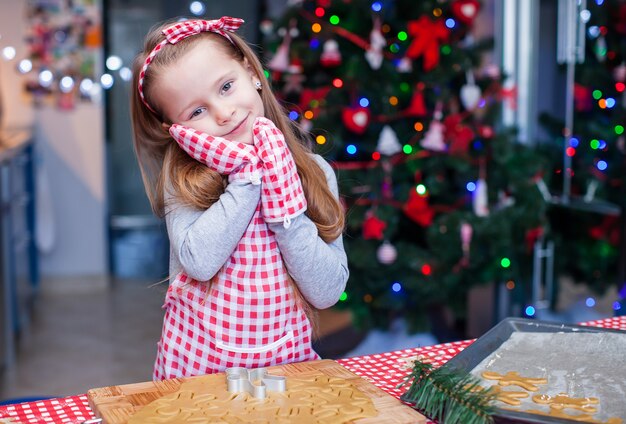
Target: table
{"points": [[385, 370]]}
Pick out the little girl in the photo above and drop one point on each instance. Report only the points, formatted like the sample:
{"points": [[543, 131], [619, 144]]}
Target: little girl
{"points": [[252, 215]]}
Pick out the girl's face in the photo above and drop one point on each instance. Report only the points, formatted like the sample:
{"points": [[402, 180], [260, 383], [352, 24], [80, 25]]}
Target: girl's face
{"points": [[210, 92]]}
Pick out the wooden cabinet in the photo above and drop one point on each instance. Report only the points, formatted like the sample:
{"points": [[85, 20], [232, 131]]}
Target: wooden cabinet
{"points": [[18, 253]]}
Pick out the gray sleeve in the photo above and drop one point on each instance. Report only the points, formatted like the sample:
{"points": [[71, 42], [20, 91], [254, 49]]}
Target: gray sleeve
{"points": [[202, 241], [320, 269]]}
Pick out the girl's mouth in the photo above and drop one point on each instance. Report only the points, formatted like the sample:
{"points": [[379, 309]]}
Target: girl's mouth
{"points": [[238, 127]]}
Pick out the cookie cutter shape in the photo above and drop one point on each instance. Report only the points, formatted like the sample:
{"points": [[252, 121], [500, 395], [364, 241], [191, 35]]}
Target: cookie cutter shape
{"points": [[255, 381]]}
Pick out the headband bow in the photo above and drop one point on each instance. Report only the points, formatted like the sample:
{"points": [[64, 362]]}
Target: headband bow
{"points": [[181, 30]]}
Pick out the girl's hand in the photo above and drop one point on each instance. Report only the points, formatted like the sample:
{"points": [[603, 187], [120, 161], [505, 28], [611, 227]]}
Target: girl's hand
{"points": [[282, 196], [237, 160]]}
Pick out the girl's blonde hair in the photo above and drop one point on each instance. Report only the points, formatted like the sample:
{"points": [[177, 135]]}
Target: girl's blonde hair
{"points": [[193, 183]]}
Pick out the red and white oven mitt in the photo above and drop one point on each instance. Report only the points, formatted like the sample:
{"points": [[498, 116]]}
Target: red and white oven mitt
{"points": [[237, 160], [282, 196], [268, 162]]}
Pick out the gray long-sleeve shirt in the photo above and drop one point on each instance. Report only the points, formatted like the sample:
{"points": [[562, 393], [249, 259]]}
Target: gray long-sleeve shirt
{"points": [[202, 240]]}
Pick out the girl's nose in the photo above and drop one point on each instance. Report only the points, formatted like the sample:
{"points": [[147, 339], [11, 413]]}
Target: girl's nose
{"points": [[223, 114]]}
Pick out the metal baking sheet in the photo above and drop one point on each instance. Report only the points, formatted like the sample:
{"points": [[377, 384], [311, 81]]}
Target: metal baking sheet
{"points": [[474, 354]]}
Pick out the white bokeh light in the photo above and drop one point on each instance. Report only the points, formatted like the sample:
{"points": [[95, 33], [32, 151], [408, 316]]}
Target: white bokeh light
{"points": [[45, 78], [197, 8], [8, 52], [107, 81], [86, 86], [126, 74], [25, 66], [585, 15], [114, 63], [66, 84]]}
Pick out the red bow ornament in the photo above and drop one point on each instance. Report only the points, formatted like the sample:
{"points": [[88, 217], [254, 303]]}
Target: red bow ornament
{"points": [[308, 95], [427, 37]]}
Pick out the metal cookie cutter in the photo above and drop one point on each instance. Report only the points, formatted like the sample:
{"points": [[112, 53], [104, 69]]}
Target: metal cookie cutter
{"points": [[255, 381]]}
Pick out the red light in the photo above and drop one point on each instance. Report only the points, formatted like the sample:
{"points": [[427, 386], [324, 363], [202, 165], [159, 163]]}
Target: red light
{"points": [[620, 86], [337, 83], [570, 151], [426, 270], [319, 12], [376, 156]]}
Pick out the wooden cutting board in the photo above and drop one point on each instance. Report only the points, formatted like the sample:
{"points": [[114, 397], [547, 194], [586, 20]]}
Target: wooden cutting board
{"points": [[116, 404]]}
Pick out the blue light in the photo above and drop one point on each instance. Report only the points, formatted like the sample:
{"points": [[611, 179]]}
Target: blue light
{"points": [[482, 103], [599, 2], [530, 311], [590, 302], [396, 287], [450, 23], [314, 43], [602, 165], [478, 145], [376, 6], [594, 31], [293, 115], [364, 102], [610, 102], [351, 149], [471, 186], [617, 306], [602, 145], [573, 142]]}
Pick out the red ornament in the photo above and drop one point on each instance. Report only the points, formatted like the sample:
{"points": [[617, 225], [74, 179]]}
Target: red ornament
{"points": [[508, 95], [583, 100], [310, 94], [465, 10], [607, 230], [532, 235], [427, 36], [458, 135], [330, 57], [356, 119], [417, 106], [418, 209], [373, 227], [485, 131]]}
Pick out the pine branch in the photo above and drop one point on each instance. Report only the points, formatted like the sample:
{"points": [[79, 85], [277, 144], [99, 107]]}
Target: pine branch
{"points": [[449, 397]]}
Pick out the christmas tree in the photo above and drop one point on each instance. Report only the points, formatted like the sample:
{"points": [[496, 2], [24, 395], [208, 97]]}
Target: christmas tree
{"points": [[439, 198], [588, 229]]}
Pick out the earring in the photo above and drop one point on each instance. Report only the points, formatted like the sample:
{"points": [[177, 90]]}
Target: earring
{"points": [[258, 85]]}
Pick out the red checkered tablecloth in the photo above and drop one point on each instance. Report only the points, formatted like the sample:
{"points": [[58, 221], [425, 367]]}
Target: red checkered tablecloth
{"points": [[385, 370]]}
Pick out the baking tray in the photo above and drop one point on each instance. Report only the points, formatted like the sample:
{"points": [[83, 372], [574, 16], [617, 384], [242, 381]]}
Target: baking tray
{"points": [[473, 355]]}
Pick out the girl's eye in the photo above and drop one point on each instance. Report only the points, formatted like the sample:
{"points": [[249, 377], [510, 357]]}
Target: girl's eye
{"points": [[227, 86], [197, 112]]}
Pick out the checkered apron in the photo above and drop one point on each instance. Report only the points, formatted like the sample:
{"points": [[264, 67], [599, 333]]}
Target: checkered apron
{"points": [[247, 315]]}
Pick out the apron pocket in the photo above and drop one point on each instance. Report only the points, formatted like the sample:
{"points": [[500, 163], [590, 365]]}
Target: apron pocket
{"points": [[257, 349]]}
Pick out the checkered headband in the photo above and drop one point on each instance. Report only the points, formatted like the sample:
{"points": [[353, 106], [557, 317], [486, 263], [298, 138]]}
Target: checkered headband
{"points": [[180, 30]]}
